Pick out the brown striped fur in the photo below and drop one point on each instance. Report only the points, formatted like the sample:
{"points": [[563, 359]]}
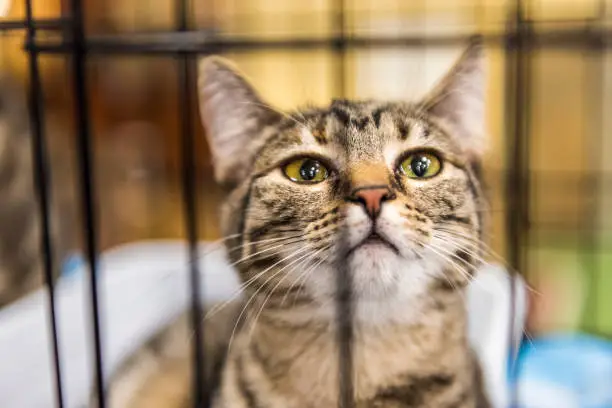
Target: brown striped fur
{"points": [[410, 346], [20, 254], [21, 258]]}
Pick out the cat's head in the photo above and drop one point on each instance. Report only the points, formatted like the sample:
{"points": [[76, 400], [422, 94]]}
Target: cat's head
{"points": [[397, 177]]}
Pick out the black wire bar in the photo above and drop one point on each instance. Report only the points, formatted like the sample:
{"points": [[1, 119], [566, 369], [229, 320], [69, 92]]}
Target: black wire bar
{"points": [[41, 182], [344, 286], [84, 152], [37, 24], [200, 389], [517, 105], [203, 42]]}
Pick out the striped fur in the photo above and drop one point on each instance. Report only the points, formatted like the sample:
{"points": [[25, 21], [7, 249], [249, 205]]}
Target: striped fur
{"points": [[20, 255], [410, 347], [21, 263]]}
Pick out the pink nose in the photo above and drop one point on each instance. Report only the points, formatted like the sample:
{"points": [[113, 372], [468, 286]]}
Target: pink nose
{"points": [[372, 198]]}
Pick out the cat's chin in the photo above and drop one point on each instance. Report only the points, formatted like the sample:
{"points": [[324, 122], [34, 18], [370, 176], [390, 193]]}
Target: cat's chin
{"points": [[387, 286], [374, 248], [375, 269]]}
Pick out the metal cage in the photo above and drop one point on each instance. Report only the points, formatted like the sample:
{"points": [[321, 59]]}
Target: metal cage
{"points": [[521, 35]]}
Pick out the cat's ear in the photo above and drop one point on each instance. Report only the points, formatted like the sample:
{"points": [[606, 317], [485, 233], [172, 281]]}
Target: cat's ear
{"points": [[458, 100], [233, 116]]}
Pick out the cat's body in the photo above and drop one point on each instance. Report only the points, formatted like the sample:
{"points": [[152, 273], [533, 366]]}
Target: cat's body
{"points": [[20, 254], [396, 365], [21, 257], [387, 189]]}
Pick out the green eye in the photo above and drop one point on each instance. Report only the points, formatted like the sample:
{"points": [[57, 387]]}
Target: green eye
{"points": [[421, 165], [306, 170]]}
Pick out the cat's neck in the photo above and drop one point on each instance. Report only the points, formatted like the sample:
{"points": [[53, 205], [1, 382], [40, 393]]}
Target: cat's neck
{"points": [[440, 318], [383, 354]]}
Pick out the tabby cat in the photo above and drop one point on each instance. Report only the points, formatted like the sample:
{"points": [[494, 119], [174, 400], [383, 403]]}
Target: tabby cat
{"points": [[21, 258], [399, 180], [20, 254]]}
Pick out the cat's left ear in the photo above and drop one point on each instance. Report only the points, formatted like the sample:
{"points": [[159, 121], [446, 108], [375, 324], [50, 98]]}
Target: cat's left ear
{"points": [[458, 100], [234, 116]]}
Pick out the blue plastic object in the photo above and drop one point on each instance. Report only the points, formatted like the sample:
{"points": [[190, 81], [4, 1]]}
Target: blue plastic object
{"points": [[71, 264], [564, 371]]}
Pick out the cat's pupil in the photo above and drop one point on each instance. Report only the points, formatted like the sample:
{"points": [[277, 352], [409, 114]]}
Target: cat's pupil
{"points": [[310, 169], [419, 165]]}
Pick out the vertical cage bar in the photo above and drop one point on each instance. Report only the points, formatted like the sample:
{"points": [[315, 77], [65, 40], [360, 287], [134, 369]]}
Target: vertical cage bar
{"points": [[344, 303], [344, 317], [201, 392], [41, 181], [84, 152], [516, 118]]}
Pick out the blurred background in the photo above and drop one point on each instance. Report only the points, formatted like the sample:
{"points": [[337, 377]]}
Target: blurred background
{"points": [[547, 168]]}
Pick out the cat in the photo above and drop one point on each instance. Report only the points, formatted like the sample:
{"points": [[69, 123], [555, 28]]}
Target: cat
{"points": [[122, 186], [389, 189], [20, 250], [21, 256]]}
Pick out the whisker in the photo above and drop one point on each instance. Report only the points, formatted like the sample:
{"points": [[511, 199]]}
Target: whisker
{"points": [[225, 238], [299, 251], [473, 242], [453, 254], [454, 264], [530, 339], [262, 241], [477, 243], [307, 258], [465, 274], [244, 285], [467, 250], [301, 277], [291, 240]]}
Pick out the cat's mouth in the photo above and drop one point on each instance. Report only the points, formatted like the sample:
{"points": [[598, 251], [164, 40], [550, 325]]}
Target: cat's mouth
{"points": [[374, 239]]}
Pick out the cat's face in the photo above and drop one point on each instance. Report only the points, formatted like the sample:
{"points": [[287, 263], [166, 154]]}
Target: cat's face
{"points": [[388, 189]]}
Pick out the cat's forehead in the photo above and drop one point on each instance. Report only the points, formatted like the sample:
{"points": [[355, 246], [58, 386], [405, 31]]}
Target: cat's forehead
{"points": [[362, 130], [362, 117]]}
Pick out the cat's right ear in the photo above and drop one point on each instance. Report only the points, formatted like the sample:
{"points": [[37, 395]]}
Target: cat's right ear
{"points": [[233, 116]]}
